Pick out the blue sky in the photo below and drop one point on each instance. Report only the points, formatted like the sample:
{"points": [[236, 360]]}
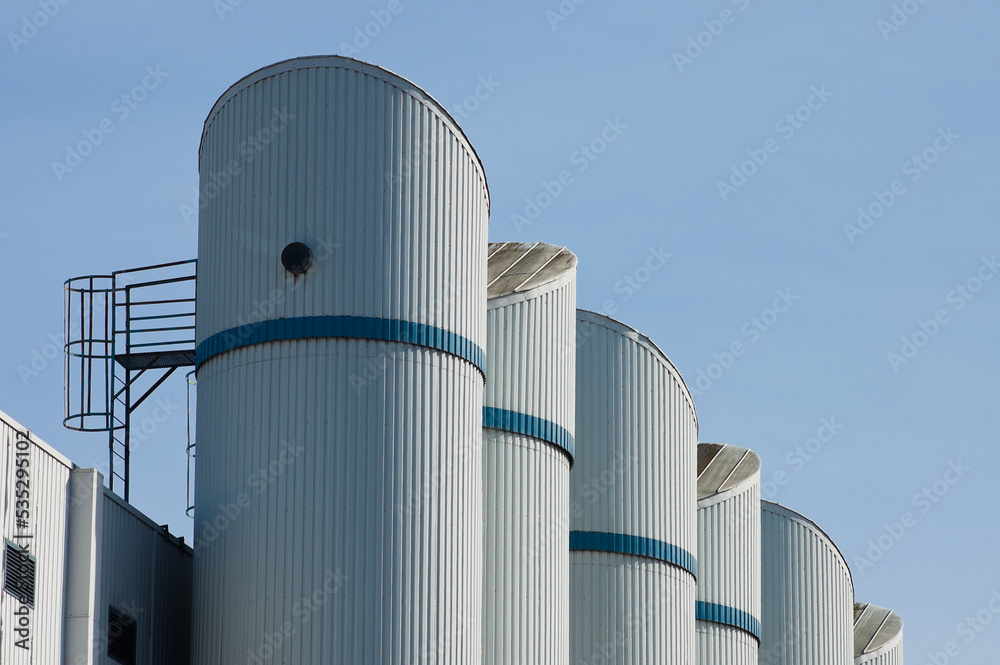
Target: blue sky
{"points": [[804, 114]]}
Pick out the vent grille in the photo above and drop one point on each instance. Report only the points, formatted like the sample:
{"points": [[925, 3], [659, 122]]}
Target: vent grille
{"points": [[121, 636], [19, 574]]}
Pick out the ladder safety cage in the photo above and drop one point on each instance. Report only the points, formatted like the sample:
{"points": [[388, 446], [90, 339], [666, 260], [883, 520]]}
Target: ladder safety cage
{"points": [[125, 334]]}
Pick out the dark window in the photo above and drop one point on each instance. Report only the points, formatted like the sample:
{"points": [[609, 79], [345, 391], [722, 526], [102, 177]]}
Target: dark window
{"points": [[19, 574], [121, 636]]}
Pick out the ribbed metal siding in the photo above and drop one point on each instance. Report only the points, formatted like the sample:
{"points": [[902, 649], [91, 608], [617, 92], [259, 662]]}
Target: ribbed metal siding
{"points": [[892, 655], [626, 609], [724, 645], [807, 596], [363, 532], [49, 476], [367, 546], [531, 369], [526, 561], [729, 570], [369, 172], [635, 475], [147, 574]]}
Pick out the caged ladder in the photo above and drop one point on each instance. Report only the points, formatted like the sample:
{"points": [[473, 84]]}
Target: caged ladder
{"points": [[125, 334]]}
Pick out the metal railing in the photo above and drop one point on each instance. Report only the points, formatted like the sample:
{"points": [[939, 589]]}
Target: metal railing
{"points": [[126, 333]]}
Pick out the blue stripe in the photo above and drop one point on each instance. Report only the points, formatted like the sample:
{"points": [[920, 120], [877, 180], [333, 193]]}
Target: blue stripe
{"points": [[597, 541], [355, 327], [727, 616], [522, 423]]}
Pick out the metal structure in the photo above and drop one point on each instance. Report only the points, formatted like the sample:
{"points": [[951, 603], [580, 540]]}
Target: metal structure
{"points": [[878, 636], [728, 598], [807, 594], [192, 387], [341, 328], [93, 554], [632, 501], [125, 334], [528, 425]]}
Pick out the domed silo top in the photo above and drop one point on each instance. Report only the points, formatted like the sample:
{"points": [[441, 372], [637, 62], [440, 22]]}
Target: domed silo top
{"points": [[342, 62], [794, 517], [521, 269], [724, 470], [876, 630]]}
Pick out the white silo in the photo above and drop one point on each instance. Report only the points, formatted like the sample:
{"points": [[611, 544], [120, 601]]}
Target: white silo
{"points": [[528, 425], [878, 636], [728, 598], [341, 328], [807, 593], [632, 502]]}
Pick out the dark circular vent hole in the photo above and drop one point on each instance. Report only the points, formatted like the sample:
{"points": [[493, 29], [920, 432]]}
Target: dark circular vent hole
{"points": [[296, 257]]}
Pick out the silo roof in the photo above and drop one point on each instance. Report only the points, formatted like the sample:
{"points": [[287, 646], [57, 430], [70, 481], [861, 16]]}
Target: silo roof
{"points": [[722, 467], [351, 64], [518, 267], [874, 628]]}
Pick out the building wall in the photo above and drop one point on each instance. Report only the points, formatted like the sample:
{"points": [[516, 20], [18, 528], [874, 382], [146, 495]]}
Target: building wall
{"points": [[92, 550], [43, 532], [147, 573]]}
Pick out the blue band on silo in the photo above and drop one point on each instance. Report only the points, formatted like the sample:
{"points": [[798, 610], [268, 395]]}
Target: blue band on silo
{"points": [[353, 327], [533, 426], [619, 543], [727, 616]]}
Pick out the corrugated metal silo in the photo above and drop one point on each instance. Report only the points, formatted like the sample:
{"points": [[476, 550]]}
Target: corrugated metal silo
{"points": [[528, 425], [632, 502], [728, 598], [878, 636], [807, 593], [341, 328]]}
